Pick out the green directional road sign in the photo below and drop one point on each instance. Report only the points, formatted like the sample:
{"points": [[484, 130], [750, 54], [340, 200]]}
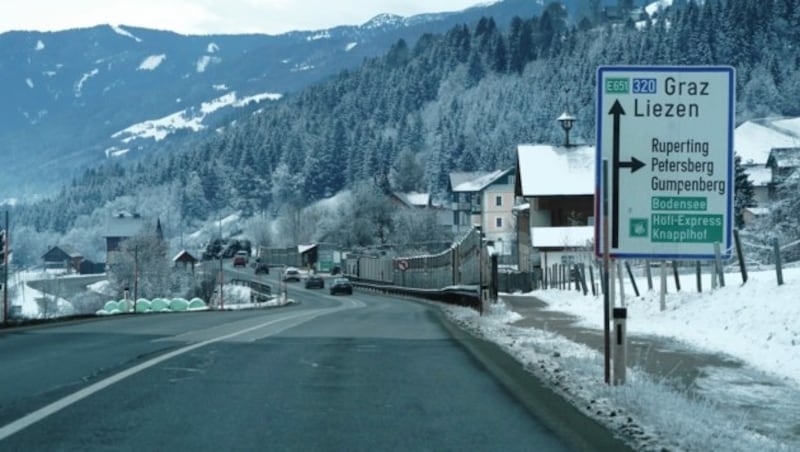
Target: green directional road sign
{"points": [[666, 134]]}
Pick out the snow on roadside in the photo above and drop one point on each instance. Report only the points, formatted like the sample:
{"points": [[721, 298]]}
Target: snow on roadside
{"points": [[758, 322], [648, 414]]}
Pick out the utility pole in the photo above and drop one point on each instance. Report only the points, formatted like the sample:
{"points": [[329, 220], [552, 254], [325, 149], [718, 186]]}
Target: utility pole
{"points": [[221, 284], [5, 271], [135, 276]]}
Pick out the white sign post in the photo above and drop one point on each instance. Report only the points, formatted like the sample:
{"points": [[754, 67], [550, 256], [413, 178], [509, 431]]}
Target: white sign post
{"points": [[667, 135]]}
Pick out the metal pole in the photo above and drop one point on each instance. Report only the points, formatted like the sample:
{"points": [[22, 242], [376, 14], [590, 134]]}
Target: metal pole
{"points": [[778, 263], [620, 277], [720, 270], [5, 272], [633, 281], [677, 277], [221, 284], [663, 286], [699, 279], [135, 276], [739, 254], [606, 266]]}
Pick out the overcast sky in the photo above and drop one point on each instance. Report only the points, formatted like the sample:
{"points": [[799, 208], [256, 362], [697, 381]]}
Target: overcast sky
{"points": [[212, 16]]}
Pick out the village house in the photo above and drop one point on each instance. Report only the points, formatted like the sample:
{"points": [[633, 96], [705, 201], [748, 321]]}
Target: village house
{"points": [[416, 200], [120, 228], [485, 199], [783, 164], [62, 257], [556, 211]]}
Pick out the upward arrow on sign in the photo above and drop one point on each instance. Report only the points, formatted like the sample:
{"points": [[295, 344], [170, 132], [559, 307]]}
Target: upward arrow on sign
{"points": [[634, 164], [616, 111]]}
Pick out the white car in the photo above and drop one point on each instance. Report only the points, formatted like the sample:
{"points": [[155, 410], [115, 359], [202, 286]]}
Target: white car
{"points": [[291, 274]]}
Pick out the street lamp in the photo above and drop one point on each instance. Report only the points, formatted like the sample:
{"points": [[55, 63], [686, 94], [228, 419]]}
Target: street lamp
{"points": [[566, 120]]}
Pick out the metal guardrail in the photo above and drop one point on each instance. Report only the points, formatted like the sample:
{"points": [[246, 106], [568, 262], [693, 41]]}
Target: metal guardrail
{"points": [[467, 296]]}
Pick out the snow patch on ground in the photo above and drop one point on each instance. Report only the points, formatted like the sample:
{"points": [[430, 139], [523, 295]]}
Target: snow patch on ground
{"points": [[649, 414], [121, 31], [152, 62]]}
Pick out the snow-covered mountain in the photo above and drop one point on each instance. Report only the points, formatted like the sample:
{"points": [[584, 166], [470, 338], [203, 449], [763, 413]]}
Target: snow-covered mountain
{"points": [[77, 98]]}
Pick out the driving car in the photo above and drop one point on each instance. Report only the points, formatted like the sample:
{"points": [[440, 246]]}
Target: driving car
{"points": [[291, 274], [261, 267], [315, 282], [341, 285], [240, 259]]}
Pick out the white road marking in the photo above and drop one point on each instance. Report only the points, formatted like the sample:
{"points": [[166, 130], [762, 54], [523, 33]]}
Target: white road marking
{"points": [[48, 410]]}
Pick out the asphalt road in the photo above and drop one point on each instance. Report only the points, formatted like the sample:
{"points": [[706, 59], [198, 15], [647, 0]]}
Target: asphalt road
{"points": [[362, 372]]}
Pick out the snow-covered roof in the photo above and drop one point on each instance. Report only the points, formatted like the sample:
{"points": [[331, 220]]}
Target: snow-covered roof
{"points": [[418, 199], [546, 170], [656, 6], [124, 226], [520, 207], [757, 211], [414, 199], [759, 175], [303, 248], [67, 250], [474, 181], [785, 157], [753, 141], [561, 236], [791, 125], [184, 254]]}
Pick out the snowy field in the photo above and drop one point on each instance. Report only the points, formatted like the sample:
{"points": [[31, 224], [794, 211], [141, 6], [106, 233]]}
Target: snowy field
{"points": [[757, 323]]}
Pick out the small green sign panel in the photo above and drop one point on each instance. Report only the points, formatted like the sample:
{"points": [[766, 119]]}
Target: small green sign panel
{"points": [[638, 227]]}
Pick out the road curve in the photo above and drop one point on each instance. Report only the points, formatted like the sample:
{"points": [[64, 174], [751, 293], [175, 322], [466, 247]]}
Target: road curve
{"points": [[361, 372]]}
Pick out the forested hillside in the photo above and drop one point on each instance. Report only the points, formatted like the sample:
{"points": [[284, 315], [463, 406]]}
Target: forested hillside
{"points": [[452, 102]]}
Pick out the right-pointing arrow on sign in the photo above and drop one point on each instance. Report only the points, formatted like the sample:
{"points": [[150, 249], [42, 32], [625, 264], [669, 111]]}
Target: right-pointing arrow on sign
{"points": [[635, 164]]}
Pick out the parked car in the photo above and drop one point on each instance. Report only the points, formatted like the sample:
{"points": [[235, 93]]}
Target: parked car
{"points": [[240, 259], [315, 282], [341, 285], [291, 274]]}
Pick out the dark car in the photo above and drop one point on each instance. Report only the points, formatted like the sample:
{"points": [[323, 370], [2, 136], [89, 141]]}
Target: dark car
{"points": [[261, 267], [291, 274], [315, 282], [341, 285]]}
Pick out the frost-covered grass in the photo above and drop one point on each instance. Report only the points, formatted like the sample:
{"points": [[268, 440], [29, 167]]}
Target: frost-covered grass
{"points": [[649, 414]]}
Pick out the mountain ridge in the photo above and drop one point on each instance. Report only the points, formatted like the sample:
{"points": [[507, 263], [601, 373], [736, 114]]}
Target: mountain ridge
{"points": [[68, 92]]}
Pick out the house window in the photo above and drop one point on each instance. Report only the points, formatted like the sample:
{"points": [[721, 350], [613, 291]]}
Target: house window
{"points": [[498, 222], [498, 201]]}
